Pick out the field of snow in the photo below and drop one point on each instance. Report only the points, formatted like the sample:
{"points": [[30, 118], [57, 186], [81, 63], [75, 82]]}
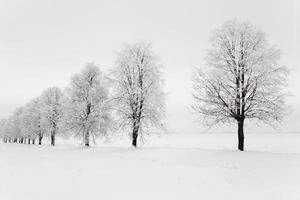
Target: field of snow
{"points": [[175, 166]]}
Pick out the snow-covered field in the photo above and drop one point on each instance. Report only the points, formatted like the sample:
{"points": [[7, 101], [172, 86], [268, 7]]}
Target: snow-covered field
{"points": [[204, 166]]}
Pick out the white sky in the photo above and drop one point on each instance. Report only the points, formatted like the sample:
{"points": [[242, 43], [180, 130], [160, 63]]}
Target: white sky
{"points": [[42, 43]]}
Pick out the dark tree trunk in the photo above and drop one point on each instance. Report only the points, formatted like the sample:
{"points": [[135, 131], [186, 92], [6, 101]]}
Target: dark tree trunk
{"points": [[40, 139], [134, 140], [87, 134], [33, 141], [87, 139], [241, 136], [135, 136], [52, 138], [28, 142]]}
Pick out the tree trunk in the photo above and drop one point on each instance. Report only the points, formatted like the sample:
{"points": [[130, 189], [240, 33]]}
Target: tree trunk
{"points": [[87, 139], [28, 142], [241, 136], [135, 136], [40, 139], [33, 141], [52, 138], [87, 133], [134, 140]]}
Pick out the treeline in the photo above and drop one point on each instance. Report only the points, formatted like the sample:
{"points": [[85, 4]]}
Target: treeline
{"points": [[130, 98]]}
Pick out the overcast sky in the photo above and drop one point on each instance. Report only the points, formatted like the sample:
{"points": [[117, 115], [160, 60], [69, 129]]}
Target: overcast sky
{"points": [[44, 42]]}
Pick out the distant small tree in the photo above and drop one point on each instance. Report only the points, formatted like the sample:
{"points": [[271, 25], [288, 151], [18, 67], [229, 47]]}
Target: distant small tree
{"points": [[51, 111], [139, 100], [86, 109], [244, 79]]}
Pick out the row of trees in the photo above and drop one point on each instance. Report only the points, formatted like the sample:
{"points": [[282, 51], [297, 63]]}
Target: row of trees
{"points": [[242, 80], [32, 121], [131, 99]]}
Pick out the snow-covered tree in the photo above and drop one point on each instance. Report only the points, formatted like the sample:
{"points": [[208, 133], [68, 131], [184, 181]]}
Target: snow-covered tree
{"points": [[138, 95], [31, 121], [51, 111], [244, 79], [86, 108]]}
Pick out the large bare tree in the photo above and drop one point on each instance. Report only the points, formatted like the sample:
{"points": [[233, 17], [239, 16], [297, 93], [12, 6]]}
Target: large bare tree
{"points": [[243, 79], [139, 98]]}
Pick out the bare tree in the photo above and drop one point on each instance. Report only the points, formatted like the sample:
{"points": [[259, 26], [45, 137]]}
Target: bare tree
{"points": [[51, 111], [244, 79], [86, 107], [138, 95]]}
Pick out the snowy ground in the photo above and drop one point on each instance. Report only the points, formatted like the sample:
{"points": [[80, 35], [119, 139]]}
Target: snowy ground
{"points": [[166, 167]]}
